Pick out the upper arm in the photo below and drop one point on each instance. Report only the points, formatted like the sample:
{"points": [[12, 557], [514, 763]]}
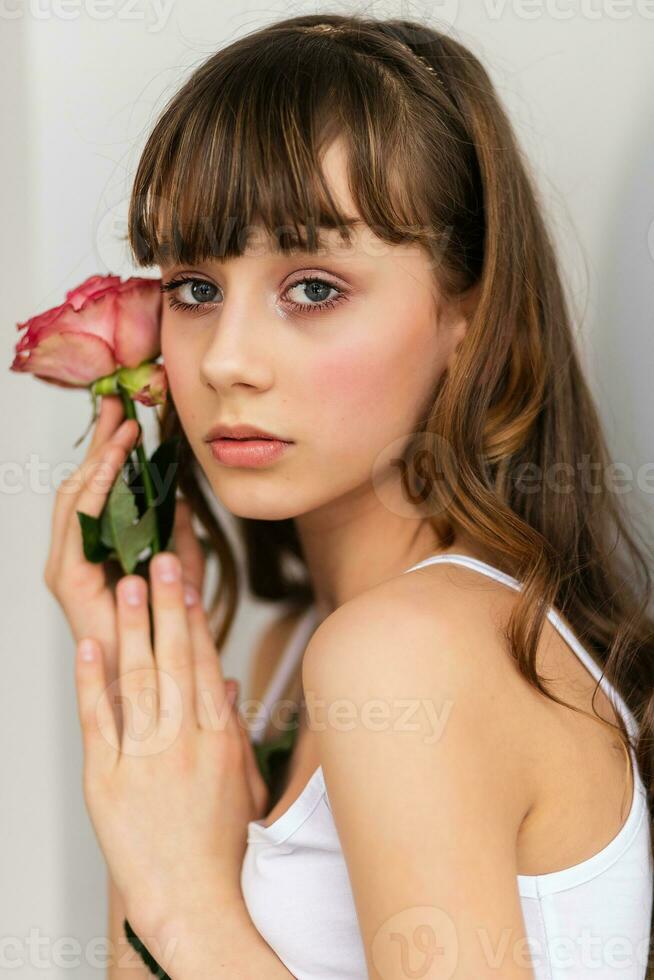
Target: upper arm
{"points": [[124, 962], [412, 742]]}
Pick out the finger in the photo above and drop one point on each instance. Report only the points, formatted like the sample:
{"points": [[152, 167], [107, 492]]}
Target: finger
{"points": [[136, 665], [211, 703], [187, 546], [172, 643], [99, 734], [256, 782], [110, 416], [96, 477]]}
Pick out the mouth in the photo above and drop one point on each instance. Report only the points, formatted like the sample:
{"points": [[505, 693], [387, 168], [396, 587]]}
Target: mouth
{"points": [[248, 452], [241, 433]]}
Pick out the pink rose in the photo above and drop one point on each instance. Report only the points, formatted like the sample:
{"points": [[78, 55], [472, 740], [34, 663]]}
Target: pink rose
{"points": [[103, 325]]}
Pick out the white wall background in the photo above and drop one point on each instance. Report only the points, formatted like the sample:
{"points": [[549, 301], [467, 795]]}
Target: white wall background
{"points": [[80, 87]]}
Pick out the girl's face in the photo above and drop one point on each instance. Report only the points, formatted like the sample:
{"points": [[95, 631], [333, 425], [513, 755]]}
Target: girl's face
{"points": [[337, 352]]}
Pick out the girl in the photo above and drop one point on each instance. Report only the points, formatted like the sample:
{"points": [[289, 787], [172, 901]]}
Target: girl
{"points": [[372, 368]]}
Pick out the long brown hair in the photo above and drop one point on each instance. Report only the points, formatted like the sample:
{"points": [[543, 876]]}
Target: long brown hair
{"points": [[432, 160]]}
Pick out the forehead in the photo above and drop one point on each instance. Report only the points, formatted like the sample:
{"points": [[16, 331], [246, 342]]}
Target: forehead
{"points": [[259, 239]]}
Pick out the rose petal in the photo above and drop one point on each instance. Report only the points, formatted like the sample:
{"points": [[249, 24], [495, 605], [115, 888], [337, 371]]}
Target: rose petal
{"points": [[96, 318], [91, 288], [71, 359], [138, 325], [37, 323]]}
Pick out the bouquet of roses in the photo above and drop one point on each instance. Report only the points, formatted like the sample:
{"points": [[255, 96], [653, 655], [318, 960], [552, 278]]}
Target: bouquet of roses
{"points": [[106, 337]]}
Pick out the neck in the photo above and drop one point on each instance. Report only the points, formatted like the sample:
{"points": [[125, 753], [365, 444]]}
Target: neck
{"points": [[349, 550]]}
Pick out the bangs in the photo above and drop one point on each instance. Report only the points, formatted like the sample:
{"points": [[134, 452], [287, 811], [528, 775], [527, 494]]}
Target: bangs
{"points": [[239, 149]]}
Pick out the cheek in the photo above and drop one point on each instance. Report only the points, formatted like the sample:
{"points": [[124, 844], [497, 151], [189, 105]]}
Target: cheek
{"points": [[182, 373], [176, 356], [375, 390], [341, 380]]}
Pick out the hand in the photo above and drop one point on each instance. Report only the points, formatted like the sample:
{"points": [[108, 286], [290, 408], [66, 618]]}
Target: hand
{"points": [[171, 798], [82, 588]]}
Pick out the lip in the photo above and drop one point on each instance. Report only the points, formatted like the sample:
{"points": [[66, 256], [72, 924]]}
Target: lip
{"points": [[241, 432], [247, 452]]}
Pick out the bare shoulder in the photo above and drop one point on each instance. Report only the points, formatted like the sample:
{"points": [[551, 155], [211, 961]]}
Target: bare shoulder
{"points": [[416, 737], [428, 646], [444, 622]]}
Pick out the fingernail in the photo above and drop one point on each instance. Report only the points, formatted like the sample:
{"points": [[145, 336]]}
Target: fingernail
{"points": [[232, 691], [132, 591], [167, 568], [191, 595], [87, 651]]}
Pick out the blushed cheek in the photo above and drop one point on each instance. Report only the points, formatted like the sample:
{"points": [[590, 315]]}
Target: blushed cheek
{"points": [[354, 392], [374, 391], [343, 382]]}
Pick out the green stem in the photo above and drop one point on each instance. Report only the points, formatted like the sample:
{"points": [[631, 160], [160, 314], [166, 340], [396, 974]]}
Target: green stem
{"points": [[130, 413]]}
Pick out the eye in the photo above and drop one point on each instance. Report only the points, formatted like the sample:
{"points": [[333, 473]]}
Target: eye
{"points": [[200, 290], [317, 293]]}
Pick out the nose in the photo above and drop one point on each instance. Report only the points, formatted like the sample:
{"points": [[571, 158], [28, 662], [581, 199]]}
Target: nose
{"points": [[237, 353]]}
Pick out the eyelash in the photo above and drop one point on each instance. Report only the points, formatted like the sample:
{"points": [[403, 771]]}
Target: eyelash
{"points": [[313, 308]]}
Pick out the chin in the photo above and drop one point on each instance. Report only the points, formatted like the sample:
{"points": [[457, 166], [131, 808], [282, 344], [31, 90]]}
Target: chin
{"points": [[258, 503]]}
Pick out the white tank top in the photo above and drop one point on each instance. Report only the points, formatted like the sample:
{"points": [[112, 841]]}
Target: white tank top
{"points": [[590, 921]]}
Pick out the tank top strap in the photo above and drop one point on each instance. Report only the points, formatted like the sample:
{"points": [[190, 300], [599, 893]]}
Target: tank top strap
{"points": [[557, 621], [288, 660]]}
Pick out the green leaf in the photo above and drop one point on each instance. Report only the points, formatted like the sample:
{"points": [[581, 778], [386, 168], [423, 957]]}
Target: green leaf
{"points": [[106, 529], [121, 526], [121, 507], [164, 469], [270, 754], [135, 482], [133, 540], [95, 548]]}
